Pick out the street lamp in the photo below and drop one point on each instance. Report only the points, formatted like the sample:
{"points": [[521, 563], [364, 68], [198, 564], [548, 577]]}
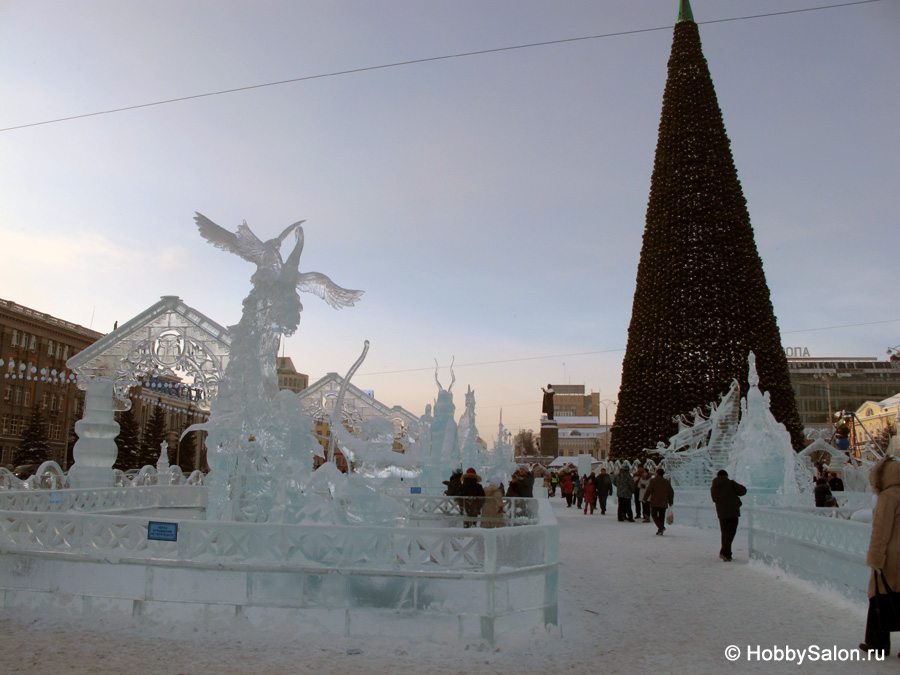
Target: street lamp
{"points": [[894, 353], [606, 403], [827, 375]]}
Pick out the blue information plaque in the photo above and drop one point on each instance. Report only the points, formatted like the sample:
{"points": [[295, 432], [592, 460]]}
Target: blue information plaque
{"points": [[415, 490], [162, 531]]}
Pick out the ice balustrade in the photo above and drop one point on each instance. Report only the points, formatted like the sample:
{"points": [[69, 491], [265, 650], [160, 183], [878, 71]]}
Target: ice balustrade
{"points": [[824, 546], [91, 523]]}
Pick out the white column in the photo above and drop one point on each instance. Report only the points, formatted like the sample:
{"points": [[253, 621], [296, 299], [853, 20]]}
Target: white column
{"points": [[96, 451]]}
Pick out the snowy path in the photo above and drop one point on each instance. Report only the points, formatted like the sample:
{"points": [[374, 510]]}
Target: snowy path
{"points": [[630, 602]]}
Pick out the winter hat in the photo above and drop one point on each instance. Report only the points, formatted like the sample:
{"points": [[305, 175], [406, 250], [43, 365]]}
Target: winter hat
{"points": [[626, 466], [723, 473], [470, 470], [496, 481]]}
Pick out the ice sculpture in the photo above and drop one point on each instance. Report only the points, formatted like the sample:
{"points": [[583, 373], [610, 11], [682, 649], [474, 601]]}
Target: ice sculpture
{"points": [[470, 450], [702, 446], [257, 440], [762, 456], [752, 446], [502, 462], [444, 432]]}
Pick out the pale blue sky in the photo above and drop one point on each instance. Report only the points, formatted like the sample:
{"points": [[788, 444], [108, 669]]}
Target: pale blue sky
{"points": [[491, 206]]}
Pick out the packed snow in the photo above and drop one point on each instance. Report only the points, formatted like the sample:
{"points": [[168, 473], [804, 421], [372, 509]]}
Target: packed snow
{"points": [[629, 601]]}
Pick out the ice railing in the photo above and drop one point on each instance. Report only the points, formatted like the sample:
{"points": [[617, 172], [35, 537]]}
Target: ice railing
{"points": [[50, 476], [438, 511], [821, 527], [202, 543]]}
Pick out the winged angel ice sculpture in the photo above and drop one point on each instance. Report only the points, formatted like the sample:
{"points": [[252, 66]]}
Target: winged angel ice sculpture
{"points": [[257, 436]]}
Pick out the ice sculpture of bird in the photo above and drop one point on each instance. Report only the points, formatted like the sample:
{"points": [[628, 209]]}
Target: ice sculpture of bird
{"points": [[269, 264]]}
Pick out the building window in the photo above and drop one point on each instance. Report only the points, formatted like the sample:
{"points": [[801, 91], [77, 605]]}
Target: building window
{"points": [[5, 423], [59, 350], [49, 347], [14, 425], [17, 396], [26, 399], [15, 338], [44, 399], [8, 395], [33, 345], [56, 430], [52, 402], [65, 352]]}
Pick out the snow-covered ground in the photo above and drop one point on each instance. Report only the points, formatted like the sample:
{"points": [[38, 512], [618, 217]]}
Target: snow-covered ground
{"points": [[629, 602]]}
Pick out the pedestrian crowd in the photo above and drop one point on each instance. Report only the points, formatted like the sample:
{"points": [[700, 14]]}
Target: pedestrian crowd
{"points": [[642, 498]]}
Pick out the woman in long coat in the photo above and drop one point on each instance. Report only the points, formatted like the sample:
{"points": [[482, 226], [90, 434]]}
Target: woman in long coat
{"points": [[884, 546], [492, 511]]}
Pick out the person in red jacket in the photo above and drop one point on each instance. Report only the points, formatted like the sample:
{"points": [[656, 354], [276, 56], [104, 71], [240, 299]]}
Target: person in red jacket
{"points": [[590, 494], [567, 485]]}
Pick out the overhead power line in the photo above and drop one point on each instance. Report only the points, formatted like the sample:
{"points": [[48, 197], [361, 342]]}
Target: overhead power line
{"points": [[602, 351], [399, 64]]}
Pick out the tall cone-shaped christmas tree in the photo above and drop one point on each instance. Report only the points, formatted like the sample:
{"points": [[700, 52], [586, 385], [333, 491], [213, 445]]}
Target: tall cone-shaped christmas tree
{"points": [[701, 303]]}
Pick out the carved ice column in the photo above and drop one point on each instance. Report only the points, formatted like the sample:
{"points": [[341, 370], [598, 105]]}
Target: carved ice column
{"points": [[95, 451]]}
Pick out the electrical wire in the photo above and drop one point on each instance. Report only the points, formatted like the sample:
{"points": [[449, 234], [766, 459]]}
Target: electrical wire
{"points": [[603, 351], [399, 64]]}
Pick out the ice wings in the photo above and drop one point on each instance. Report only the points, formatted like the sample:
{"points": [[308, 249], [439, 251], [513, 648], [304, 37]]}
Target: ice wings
{"points": [[266, 255]]}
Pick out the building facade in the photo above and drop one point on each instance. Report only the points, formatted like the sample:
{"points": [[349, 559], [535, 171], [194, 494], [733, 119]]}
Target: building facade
{"points": [[881, 420], [571, 400], [580, 435], [825, 386], [289, 378], [34, 347]]}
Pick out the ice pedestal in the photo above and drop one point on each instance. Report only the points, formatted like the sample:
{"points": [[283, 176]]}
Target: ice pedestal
{"points": [[95, 451]]}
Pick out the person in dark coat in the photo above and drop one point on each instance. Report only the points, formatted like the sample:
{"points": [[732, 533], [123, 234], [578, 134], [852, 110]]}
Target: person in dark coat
{"points": [[835, 483], [727, 494], [604, 489], [454, 483], [659, 497], [473, 492], [526, 481], [624, 491], [822, 493]]}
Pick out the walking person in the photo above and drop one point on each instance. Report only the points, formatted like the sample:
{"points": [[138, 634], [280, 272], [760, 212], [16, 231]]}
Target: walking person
{"points": [[658, 498], [624, 491], [604, 489], [638, 472], [727, 494], [590, 494], [578, 491], [567, 485], [884, 557], [641, 485]]}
